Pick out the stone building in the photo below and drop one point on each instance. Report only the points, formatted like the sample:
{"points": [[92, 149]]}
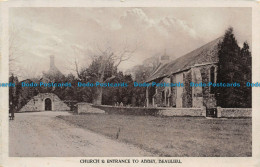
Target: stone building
{"points": [[26, 93], [198, 66], [39, 98], [45, 102], [53, 73]]}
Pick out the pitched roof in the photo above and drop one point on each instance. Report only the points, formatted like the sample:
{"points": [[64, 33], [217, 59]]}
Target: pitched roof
{"points": [[52, 74], [205, 54], [54, 71]]}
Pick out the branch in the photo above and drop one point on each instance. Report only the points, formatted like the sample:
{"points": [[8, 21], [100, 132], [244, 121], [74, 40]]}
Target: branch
{"points": [[110, 78], [125, 54]]}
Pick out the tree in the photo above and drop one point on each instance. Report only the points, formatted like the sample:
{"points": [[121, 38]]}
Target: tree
{"points": [[105, 60], [231, 69], [98, 71], [247, 71], [113, 95], [105, 64], [142, 73]]}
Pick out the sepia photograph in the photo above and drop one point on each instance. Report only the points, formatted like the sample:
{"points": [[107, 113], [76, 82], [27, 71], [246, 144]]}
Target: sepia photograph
{"points": [[130, 82]]}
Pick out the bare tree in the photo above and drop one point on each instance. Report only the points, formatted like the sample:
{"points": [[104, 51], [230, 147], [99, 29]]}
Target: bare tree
{"points": [[105, 54], [14, 51], [108, 54], [76, 52], [73, 64]]}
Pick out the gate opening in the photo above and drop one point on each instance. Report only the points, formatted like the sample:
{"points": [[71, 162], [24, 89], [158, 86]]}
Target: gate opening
{"points": [[48, 104]]}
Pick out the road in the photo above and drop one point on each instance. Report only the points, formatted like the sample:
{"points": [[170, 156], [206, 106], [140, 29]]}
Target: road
{"points": [[42, 134]]}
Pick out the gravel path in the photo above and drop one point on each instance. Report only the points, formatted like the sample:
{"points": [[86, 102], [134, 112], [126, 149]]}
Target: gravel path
{"points": [[41, 134]]}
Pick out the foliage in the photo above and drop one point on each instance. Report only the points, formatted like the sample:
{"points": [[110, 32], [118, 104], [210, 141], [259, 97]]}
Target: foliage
{"points": [[234, 66]]}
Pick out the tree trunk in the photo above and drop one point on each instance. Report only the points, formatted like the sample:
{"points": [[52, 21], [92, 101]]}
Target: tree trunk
{"points": [[98, 99]]}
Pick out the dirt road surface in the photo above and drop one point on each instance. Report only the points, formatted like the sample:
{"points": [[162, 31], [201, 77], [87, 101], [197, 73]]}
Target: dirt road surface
{"points": [[42, 134]]}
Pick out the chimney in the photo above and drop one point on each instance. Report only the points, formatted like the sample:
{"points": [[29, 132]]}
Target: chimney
{"points": [[165, 58], [52, 61]]}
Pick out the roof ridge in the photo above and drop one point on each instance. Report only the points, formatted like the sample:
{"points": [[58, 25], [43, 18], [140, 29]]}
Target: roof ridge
{"points": [[217, 39], [180, 63]]}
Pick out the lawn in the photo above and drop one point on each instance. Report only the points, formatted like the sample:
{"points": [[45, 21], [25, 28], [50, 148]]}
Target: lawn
{"points": [[174, 136]]}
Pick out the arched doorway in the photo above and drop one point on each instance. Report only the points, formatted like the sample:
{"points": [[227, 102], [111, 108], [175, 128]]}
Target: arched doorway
{"points": [[48, 105]]}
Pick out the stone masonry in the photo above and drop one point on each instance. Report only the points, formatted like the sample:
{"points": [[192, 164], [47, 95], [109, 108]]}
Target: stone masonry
{"points": [[39, 102]]}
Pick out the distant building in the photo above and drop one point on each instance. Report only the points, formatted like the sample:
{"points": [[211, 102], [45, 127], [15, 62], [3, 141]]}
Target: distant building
{"points": [[197, 66], [53, 73]]}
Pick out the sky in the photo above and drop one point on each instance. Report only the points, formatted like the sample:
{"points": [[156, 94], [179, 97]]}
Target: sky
{"points": [[75, 33]]}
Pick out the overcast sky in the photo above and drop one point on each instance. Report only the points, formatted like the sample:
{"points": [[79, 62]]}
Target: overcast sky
{"points": [[41, 32]]}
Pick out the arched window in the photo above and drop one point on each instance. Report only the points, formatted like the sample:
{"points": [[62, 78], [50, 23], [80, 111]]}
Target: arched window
{"points": [[163, 95]]}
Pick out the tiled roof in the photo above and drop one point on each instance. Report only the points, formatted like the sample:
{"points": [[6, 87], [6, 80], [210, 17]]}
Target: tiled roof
{"points": [[205, 54]]}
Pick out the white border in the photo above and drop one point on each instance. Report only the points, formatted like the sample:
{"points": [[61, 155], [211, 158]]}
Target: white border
{"points": [[186, 161]]}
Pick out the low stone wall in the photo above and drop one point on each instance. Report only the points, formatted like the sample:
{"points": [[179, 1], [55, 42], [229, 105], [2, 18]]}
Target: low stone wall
{"points": [[194, 112], [234, 112], [128, 110], [82, 108], [161, 111]]}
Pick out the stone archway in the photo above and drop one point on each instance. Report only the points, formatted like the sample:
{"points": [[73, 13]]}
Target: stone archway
{"points": [[48, 104]]}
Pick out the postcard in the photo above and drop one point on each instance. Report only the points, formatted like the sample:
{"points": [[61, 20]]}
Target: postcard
{"points": [[130, 83]]}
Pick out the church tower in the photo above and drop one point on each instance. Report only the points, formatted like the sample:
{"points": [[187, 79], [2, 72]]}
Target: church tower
{"points": [[52, 64], [53, 74]]}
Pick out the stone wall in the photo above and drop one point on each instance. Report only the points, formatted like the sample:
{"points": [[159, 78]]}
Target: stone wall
{"points": [[191, 97], [194, 112], [138, 111], [37, 103], [84, 108], [197, 95], [159, 111], [161, 95], [59, 105], [25, 94], [173, 91], [209, 99], [179, 90], [201, 112], [234, 112], [187, 96], [187, 91], [158, 100]]}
